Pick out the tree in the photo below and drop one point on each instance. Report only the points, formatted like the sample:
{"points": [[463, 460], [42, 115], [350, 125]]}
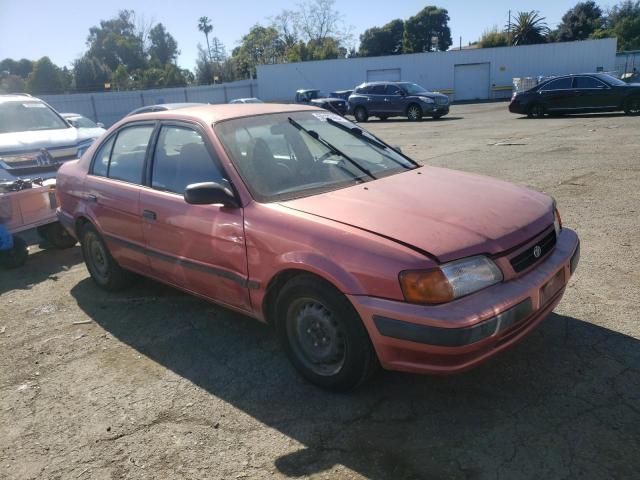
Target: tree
{"points": [[529, 28], [204, 67], [262, 45], [12, 84], [21, 68], [386, 40], [427, 31], [120, 80], [204, 25], [45, 78], [117, 41], [493, 38], [580, 22], [318, 19], [163, 48], [622, 22], [90, 74]]}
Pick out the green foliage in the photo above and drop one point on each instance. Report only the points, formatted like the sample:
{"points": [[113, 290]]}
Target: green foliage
{"points": [[622, 22], [494, 38], [45, 78], [426, 31], [90, 74], [580, 22], [163, 48], [117, 41], [261, 46], [12, 84], [529, 28], [386, 40], [22, 68], [120, 80]]}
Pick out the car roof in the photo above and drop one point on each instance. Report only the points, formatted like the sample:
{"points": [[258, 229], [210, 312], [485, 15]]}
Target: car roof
{"points": [[165, 106], [210, 114], [18, 97], [304, 90]]}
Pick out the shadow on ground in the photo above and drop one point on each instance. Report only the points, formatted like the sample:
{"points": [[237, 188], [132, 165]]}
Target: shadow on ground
{"points": [[40, 266], [406, 120], [562, 404], [577, 115]]}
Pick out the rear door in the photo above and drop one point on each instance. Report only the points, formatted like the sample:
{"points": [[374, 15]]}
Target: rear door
{"points": [[559, 95], [200, 248], [376, 95], [113, 193], [594, 94]]}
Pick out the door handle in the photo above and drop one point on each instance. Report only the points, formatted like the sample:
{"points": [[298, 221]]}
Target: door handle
{"points": [[92, 198], [149, 215]]}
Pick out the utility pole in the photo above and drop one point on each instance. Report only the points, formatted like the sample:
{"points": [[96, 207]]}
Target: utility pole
{"points": [[509, 29], [460, 42]]}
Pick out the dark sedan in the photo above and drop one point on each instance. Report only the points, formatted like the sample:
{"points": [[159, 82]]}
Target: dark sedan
{"points": [[585, 93], [317, 99]]}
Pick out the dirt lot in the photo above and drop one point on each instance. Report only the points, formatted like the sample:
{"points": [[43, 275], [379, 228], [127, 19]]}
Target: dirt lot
{"points": [[153, 383]]}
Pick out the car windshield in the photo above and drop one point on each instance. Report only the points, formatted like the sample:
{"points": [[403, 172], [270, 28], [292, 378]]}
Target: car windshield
{"points": [[289, 155], [314, 94], [28, 116], [82, 122], [413, 88], [611, 80]]}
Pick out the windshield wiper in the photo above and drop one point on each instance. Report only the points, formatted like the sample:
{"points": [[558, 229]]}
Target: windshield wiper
{"points": [[359, 133], [313, 134]]}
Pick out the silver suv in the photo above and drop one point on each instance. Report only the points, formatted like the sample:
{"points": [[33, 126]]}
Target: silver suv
{"points": [[35, 139]]}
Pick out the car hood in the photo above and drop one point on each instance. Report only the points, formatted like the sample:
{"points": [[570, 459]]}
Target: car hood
{"points": [[49, 139], [446, 213]]}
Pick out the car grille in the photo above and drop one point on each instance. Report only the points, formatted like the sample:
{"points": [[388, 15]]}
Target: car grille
{"points": [[528, 258], [442, 101]]}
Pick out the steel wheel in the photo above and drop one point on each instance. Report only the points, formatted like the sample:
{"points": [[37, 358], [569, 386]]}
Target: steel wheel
{"points": [[104, 270], [414, 113], [538, 110], [316, 336]]}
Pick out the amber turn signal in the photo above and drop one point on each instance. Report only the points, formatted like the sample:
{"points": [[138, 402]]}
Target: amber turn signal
{"points": [[426, 286]]}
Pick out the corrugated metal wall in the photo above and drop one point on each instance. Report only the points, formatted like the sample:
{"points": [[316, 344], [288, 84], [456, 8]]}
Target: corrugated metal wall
{"points": [[109, 107], [435, 71]]}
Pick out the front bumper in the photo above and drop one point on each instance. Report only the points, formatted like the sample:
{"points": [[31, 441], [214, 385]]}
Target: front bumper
{"points": [[516, 107], [454, 337]]}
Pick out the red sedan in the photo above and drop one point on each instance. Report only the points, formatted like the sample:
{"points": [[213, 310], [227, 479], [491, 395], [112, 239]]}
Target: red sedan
{"points": [[357, 255]]}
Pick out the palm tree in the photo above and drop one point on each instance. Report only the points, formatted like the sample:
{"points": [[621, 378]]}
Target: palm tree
{"points": [[529, 28], [204, 25]]}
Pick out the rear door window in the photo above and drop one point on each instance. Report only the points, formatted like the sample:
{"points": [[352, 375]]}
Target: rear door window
{"points": [[588, 82], [181, 158], [129, 151], [377, 90], [559, 84], [101, 161]]}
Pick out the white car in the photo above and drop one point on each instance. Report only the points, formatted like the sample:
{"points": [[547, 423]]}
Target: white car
{"points": [[246, 100], [79, 121], [35, 140]]}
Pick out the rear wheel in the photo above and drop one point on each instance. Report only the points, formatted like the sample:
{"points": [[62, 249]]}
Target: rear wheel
{"points": [[323, 334], [361, 114], [103, 268], [414, 112], [16, 256], [537, 110], [632, 106]]}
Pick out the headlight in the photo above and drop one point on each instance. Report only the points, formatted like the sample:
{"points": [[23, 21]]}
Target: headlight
{"points": [[83, 147], [427, 100], [449, 281]]}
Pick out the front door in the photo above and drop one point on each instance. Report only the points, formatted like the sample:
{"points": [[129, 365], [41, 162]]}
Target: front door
{"points": [[393, 104], [113, 194], [593, 94], [200, 248]]}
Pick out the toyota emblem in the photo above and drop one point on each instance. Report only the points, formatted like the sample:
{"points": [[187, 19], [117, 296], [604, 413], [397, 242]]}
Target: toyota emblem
{"points": [[537, 251]]}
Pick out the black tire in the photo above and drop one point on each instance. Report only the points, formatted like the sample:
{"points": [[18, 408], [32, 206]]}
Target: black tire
{"points": [[323, 335], [537, 110], [632, 106], [414, 112], [437, 117], [104, 270], [57, 236], [361, 114], [383, 117], [16, 256]]}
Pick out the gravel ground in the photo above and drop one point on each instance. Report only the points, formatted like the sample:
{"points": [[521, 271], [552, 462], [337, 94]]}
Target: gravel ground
{"points": [[152, 383]]}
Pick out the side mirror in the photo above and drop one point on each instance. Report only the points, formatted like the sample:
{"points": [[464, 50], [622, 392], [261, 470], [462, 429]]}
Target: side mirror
{"points": [[397, 148], [100, 124], [210, 193]]}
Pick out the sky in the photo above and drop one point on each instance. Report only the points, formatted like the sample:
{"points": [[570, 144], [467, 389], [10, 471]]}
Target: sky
{"points": [[58, 29]]}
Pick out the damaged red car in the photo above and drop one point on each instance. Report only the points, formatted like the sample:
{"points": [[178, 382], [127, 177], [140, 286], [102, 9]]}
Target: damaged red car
{"points": [[357, 255]]}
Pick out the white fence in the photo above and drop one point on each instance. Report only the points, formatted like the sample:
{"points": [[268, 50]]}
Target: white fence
{"points": [[109, 107]]}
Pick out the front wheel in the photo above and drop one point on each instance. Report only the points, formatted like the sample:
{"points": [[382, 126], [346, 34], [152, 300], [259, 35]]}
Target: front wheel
{"points": [[361, 114], [537, 111], [103, 268], [414, 113], [323, 335], [632, 106]]}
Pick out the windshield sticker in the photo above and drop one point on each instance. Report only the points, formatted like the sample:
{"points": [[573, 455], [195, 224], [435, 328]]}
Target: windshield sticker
{"points": [[324, 116], [34, 105]]}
